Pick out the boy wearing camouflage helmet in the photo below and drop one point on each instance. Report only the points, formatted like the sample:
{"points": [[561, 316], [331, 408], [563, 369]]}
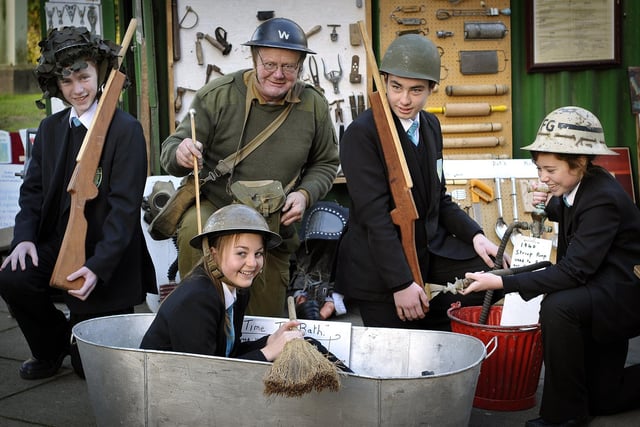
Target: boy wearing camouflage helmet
{"points": [[118, 271]]}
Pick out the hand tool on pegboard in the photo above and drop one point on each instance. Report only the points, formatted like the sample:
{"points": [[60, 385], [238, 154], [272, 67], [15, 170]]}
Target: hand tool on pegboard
{"points": [[514, 199], [180, 91], [314, 30], [489, 11], [211, 68], [313, 70], [479, 192], [177, 24], [333, 76], [501, 226]]}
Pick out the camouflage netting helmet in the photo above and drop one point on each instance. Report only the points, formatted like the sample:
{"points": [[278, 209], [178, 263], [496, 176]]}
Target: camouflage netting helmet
{"points": [[70, 47], [570, 130]]}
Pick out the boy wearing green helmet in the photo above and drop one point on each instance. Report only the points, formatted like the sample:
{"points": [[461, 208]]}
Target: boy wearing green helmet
{"points": [[371, 266]]}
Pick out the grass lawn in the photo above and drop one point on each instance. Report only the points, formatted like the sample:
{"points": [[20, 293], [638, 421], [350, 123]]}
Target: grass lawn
{"points": [[20, 112]]}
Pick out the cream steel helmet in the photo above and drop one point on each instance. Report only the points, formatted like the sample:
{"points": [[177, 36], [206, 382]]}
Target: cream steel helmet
{"points": [[571, 130]]}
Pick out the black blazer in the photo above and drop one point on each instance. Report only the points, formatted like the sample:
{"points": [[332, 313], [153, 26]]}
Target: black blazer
{"points": [[115, 247], [371, 264], [192, 318], [598, 246]]}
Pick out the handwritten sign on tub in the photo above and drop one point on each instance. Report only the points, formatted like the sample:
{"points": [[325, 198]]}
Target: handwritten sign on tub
{"points": [[335, 336]]}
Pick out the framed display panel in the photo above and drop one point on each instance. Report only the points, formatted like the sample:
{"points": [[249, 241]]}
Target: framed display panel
{"points": [[572, 35], [475, 55]]}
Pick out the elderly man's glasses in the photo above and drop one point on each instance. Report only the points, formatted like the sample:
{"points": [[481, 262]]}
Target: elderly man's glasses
{"points": [[271, 67]]}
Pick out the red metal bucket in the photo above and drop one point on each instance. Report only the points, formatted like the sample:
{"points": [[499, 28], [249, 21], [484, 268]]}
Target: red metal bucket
{"points": [[509, 378]]}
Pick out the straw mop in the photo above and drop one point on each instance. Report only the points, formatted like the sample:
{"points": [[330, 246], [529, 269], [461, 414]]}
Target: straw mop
{"points": [[300, 368]]}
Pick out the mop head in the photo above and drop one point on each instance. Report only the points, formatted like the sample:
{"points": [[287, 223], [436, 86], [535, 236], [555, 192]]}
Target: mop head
{"points": [[300, 369]]}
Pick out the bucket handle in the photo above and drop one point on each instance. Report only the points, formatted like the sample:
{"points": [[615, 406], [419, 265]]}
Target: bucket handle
{"points": [[493, 341]]}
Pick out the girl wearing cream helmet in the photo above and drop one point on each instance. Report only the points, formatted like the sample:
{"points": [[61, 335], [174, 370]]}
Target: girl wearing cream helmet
{"points": [[590, 308]]}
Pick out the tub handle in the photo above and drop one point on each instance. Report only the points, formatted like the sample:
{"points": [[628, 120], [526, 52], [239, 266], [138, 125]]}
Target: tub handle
{"points": [[493, 341]]}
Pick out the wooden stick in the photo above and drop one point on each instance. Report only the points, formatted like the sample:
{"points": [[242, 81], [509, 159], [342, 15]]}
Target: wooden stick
{"points": [[196, 181], [405, 212], [81, 188]]}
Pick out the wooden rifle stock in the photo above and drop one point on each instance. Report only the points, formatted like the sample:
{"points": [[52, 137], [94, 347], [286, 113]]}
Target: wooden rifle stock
{"points": [[81, 186], [404, 214]]}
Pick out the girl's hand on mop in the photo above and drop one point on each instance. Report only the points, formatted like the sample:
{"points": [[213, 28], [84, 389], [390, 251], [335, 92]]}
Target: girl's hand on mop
{"points": [[275, 343]]}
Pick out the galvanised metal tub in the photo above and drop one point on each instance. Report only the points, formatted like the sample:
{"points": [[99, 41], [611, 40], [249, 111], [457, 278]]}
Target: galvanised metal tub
{"points": [[132, 387]]}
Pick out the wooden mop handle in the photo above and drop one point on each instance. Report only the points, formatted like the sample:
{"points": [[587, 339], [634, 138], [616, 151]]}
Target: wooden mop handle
{"points": [[196, 181], [291, 306]]}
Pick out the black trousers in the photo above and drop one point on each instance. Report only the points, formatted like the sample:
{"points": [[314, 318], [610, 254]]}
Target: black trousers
{"points": [[582, 376], [29, 296], [442, 270]]}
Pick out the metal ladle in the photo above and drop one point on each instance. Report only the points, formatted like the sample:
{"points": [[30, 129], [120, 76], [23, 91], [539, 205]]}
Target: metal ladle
{"points": [[501, 226]]}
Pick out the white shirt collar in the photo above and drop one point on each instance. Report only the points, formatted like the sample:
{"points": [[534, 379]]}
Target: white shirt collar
{"points": [[87, 118], [570, 196], [406, 123], [229, 295]]}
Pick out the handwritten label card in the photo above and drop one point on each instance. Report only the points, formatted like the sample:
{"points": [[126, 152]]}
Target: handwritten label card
{"points": [[335, 336], [516, 311]]}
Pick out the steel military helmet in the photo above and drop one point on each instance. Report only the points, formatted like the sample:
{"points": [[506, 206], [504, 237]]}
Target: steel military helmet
{"points": [[412, 56], [570, 130], [281, 33], [237, 218], [70, 47]]}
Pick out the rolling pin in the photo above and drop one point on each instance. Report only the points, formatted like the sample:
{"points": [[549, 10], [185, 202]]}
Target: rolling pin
{"points": [[473, 90], [482, 156], [471, 127], [464, 109], [480, 141]]}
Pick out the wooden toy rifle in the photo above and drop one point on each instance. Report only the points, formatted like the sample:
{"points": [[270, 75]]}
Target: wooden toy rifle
{"points": [[404, 214], [81, 186]]}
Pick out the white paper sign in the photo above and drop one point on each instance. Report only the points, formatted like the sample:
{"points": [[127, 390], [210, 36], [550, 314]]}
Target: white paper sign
{"points": [[516, 311], [335, 336], [9, 192]]}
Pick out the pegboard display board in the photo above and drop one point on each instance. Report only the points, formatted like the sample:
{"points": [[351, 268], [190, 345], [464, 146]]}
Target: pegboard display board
{"points": [[473, 37], [329, 26], [506, 193]]}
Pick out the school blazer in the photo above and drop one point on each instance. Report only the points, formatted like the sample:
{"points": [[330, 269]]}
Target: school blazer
{"points": [[371, 264], [115, 247]]}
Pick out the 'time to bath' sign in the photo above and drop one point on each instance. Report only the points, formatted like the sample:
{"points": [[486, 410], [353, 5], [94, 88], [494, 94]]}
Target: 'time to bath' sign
{"points": [[335, 336]]}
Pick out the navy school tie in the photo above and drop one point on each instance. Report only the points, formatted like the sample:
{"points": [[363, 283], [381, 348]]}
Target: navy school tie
{"points": [[229, 329]]}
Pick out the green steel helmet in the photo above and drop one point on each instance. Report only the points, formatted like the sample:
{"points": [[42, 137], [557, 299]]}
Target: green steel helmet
{"points": [[237, 218], [412, 56], [570, 130], [69, 48], [281, 33]]}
